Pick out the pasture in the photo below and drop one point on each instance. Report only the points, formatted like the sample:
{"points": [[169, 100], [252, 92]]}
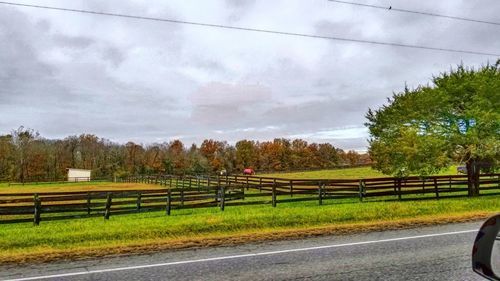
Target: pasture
{"points": [[347, 173], [73, 186], [252, 219]]}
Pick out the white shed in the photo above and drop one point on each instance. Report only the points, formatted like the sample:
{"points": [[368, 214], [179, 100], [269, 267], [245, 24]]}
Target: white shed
{"points": [[76, 175]]}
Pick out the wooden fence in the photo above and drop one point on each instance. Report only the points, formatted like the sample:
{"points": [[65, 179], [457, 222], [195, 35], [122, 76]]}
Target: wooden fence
{"points": [[221, 191]]}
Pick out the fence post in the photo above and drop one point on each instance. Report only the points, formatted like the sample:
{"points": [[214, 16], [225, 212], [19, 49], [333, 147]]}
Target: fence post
{"points": [[169, 201], [436, 189], [320, 192], [89, 198], [138, 201], [274, 193], [182, 194], [362, 187], [37, 211], [217, 189], [423, 185], [248, 184], [107, 212], [291, 188], [242, 186], [222, 198], [260, 185], [399, 188]]}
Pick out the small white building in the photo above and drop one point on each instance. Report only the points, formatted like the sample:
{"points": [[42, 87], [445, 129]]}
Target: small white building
{"points": [[77, 175]]}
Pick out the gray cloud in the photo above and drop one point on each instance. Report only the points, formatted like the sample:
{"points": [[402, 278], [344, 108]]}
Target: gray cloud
{"points": [[227, 105], [72, 41], [64, 73], [114, 55]]}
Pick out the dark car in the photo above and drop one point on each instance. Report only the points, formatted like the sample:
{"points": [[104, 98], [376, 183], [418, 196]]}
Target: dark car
{"points": [[486, 250]]}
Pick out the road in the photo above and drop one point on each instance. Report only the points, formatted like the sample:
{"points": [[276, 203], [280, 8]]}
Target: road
{"points": [[428, 253]]}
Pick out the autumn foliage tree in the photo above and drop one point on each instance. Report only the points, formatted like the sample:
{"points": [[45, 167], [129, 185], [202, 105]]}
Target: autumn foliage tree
{"points": [[26, 156]]}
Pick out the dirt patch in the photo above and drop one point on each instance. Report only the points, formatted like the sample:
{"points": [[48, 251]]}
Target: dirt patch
{"points": [[230, 239]]}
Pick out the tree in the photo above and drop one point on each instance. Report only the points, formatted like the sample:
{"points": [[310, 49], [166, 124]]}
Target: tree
{"points": [[198, 164], [327, 155], [177, 154], [353, 157], [456, 118], [214, 152], [153, 158], [7, 158], [299, 156], [23, 141], [133, 158], [245, 154]]}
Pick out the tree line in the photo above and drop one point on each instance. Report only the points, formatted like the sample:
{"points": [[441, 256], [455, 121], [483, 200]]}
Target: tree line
{"points": [[27, 156]]}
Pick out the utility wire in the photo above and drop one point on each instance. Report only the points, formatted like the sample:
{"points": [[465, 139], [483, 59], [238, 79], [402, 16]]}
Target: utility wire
{"points": [[254, 29], [390, 8]]}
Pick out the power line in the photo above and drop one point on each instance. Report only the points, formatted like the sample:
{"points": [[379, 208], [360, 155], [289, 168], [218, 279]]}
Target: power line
{"points": [[390, 8], [254, 29]]}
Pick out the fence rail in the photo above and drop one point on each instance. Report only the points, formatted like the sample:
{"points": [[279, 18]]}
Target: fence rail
{"points": [[175, 192]]}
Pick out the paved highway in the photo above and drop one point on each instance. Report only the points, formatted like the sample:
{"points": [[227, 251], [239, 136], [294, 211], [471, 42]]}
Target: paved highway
{"points": [[429, 253]]}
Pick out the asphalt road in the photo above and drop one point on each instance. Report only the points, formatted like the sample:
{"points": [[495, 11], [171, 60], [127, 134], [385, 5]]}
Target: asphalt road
{"points": [[430, 253]]}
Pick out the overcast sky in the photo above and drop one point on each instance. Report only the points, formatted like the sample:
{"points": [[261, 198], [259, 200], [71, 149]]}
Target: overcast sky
{"points": [[125, 80]]}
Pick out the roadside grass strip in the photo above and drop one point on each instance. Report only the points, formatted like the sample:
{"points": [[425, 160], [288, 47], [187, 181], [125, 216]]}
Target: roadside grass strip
{"points": [[145, 232]]}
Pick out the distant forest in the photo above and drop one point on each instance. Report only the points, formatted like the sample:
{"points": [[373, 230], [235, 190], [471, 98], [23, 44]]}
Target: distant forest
{"points": [[27, 156]]}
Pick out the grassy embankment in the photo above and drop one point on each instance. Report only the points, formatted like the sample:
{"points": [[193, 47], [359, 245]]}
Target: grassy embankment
{"points": [[204, 227]]}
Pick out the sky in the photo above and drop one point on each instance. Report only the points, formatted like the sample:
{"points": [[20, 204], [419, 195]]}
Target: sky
{"points": [[65, 73]]}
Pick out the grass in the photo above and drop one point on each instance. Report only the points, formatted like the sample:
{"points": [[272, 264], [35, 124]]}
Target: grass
{"points": [[80, 186], [348, 173], [145, 232], [95, 236]]}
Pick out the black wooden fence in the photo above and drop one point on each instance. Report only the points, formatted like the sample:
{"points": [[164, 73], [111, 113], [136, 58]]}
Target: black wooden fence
{"points": [[173, 192]]}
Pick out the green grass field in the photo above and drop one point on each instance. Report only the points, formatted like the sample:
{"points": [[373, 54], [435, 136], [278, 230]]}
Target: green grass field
{"points": [[348, 173], [96, 234], [210, 226]]}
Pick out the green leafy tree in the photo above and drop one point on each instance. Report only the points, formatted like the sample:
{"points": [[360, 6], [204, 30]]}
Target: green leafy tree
{"points": [[455, 119], [245, 154], [198, 164]]}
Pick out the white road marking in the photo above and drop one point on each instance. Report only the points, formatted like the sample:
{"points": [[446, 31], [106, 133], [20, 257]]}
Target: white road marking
{"points": [[238, 256]]}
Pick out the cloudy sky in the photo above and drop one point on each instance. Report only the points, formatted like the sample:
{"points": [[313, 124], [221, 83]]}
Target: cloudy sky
{"points": [[65, 73]]}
